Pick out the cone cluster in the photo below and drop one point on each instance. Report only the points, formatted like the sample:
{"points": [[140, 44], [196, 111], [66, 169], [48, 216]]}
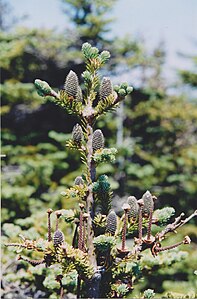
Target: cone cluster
{"points": [[123, 89], [97, 140], [111, 225]]}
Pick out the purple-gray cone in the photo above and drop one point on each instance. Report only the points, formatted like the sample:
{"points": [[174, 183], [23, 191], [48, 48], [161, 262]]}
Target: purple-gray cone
{"points": [[97, 140], [111, 225]]}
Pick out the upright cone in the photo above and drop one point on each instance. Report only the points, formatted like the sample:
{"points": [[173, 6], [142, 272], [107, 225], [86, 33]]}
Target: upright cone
{"points": [[148, 203], [132, 201], [111, 225], [77, 133], [71, 84], [106, 88], [97, 140], [58, 238]]}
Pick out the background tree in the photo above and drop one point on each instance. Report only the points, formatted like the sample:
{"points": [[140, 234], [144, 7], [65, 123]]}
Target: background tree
{"points": [[189, 77]]}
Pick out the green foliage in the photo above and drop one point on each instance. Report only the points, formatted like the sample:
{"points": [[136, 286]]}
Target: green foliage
{"points": [[148, 294], [105, 155], [104, 243], [78, 191], [106, 105], [102, 190], [91, 19], [18, 93], [120, 289], [164, 156], [80, 262], [19, 54], [190, 76], [162, 216]]}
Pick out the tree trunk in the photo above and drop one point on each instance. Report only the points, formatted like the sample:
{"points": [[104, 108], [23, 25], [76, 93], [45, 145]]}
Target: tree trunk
{"points": [[93, 287]]}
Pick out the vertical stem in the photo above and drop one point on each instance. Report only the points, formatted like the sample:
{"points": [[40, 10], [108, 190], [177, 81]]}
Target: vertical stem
{"points": [[75, 236], [78, 286], [120, 119], [89, 201], [140, 223], [124, 230], [49, 228], [149, 224], [61, 292], [93, 171], [84, 235], [80, 240], [57, 222]]}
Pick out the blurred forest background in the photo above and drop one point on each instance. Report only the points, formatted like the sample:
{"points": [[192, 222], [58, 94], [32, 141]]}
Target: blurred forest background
{"points": [[154, 131]]}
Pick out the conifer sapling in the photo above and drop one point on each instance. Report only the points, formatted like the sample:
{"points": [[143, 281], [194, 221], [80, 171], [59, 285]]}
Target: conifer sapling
{"points": [[95, 259]]}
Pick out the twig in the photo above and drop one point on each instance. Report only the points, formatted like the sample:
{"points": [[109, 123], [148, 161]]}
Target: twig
{"points": [[157, 247], [59, 279], [124, 231], [188, 218], [49, 211], [58, 214], [149, 225], [85, 218], [141, 203], [173, 226], [32, 262], [126, 208], [15, 245]]}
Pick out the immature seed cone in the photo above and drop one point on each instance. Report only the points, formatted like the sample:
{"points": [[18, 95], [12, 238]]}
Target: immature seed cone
{"points": [[79, 181], [148, 203], [58, 238], [97, 140], [77, 133], [71, 84], [104, 186], [111, 223], [132, 201], [106, 88], [42, 87], [79, 95]]}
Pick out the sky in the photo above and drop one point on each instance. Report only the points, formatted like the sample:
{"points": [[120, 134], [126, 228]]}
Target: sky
{"points": [[172, 21]]}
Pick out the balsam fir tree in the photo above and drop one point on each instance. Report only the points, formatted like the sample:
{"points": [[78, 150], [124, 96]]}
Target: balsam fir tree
{"points": [[100, 258]]}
